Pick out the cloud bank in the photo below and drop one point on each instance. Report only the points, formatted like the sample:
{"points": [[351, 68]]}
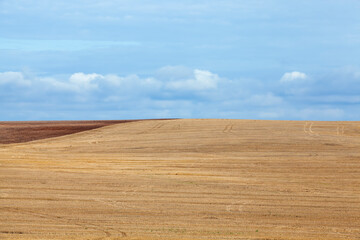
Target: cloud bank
{"points": [[177, 91]]}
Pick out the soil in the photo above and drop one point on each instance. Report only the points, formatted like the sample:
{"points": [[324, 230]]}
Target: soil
{"points": [[185, 179], [25, 131]]}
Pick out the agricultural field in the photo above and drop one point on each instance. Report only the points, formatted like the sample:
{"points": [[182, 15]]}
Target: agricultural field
{"points": [[16, 132], [180, 179]]}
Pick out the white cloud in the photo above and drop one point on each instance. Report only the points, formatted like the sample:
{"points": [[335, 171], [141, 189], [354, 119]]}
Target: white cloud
{"points": [[183, 92], [130, 84], [16, 78], [293, 77], [178, 79], [53, 84], [81, 81], [77, 82], [201, 80], [151, 83], [115, 80]]}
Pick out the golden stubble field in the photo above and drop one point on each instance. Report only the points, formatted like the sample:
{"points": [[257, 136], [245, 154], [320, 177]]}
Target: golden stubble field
{"points": [[185, 179]]}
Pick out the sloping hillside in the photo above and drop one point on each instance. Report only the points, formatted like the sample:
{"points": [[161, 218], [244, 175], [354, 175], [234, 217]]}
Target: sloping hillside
{"points": [[185, 179], [16, 132]]}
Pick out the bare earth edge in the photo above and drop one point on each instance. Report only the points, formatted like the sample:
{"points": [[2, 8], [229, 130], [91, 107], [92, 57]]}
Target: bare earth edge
{"points": [[26, 131]]}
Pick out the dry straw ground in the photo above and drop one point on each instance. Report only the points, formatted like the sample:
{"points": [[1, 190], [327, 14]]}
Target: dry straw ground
{"points": [[185, 179]]}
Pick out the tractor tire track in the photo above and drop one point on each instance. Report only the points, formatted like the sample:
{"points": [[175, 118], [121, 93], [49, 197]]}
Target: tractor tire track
{"points": [[228, 128], [78, 223], [157, 126], [308, 129]]}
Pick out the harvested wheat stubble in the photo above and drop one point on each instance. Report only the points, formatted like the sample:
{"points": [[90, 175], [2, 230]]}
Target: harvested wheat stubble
{"points": [[185, 179]]}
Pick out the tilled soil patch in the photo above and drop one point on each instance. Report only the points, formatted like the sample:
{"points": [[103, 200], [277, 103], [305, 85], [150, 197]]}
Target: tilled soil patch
{"points": [[25, 131]]}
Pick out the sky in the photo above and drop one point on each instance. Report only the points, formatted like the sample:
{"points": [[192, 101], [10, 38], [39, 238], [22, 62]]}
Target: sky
{"points": [[136, 59]]}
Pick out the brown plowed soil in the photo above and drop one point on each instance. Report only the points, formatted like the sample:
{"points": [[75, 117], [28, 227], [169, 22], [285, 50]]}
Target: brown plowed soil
{"points": [[186, 179], [18, 132]]}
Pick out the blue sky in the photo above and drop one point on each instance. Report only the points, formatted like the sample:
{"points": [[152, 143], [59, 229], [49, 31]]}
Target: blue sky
{"points": [[126, 59]]}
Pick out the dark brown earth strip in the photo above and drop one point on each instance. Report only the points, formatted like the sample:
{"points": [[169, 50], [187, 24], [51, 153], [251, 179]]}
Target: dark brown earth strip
{"points": [[26, 131], [19, 132]]}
